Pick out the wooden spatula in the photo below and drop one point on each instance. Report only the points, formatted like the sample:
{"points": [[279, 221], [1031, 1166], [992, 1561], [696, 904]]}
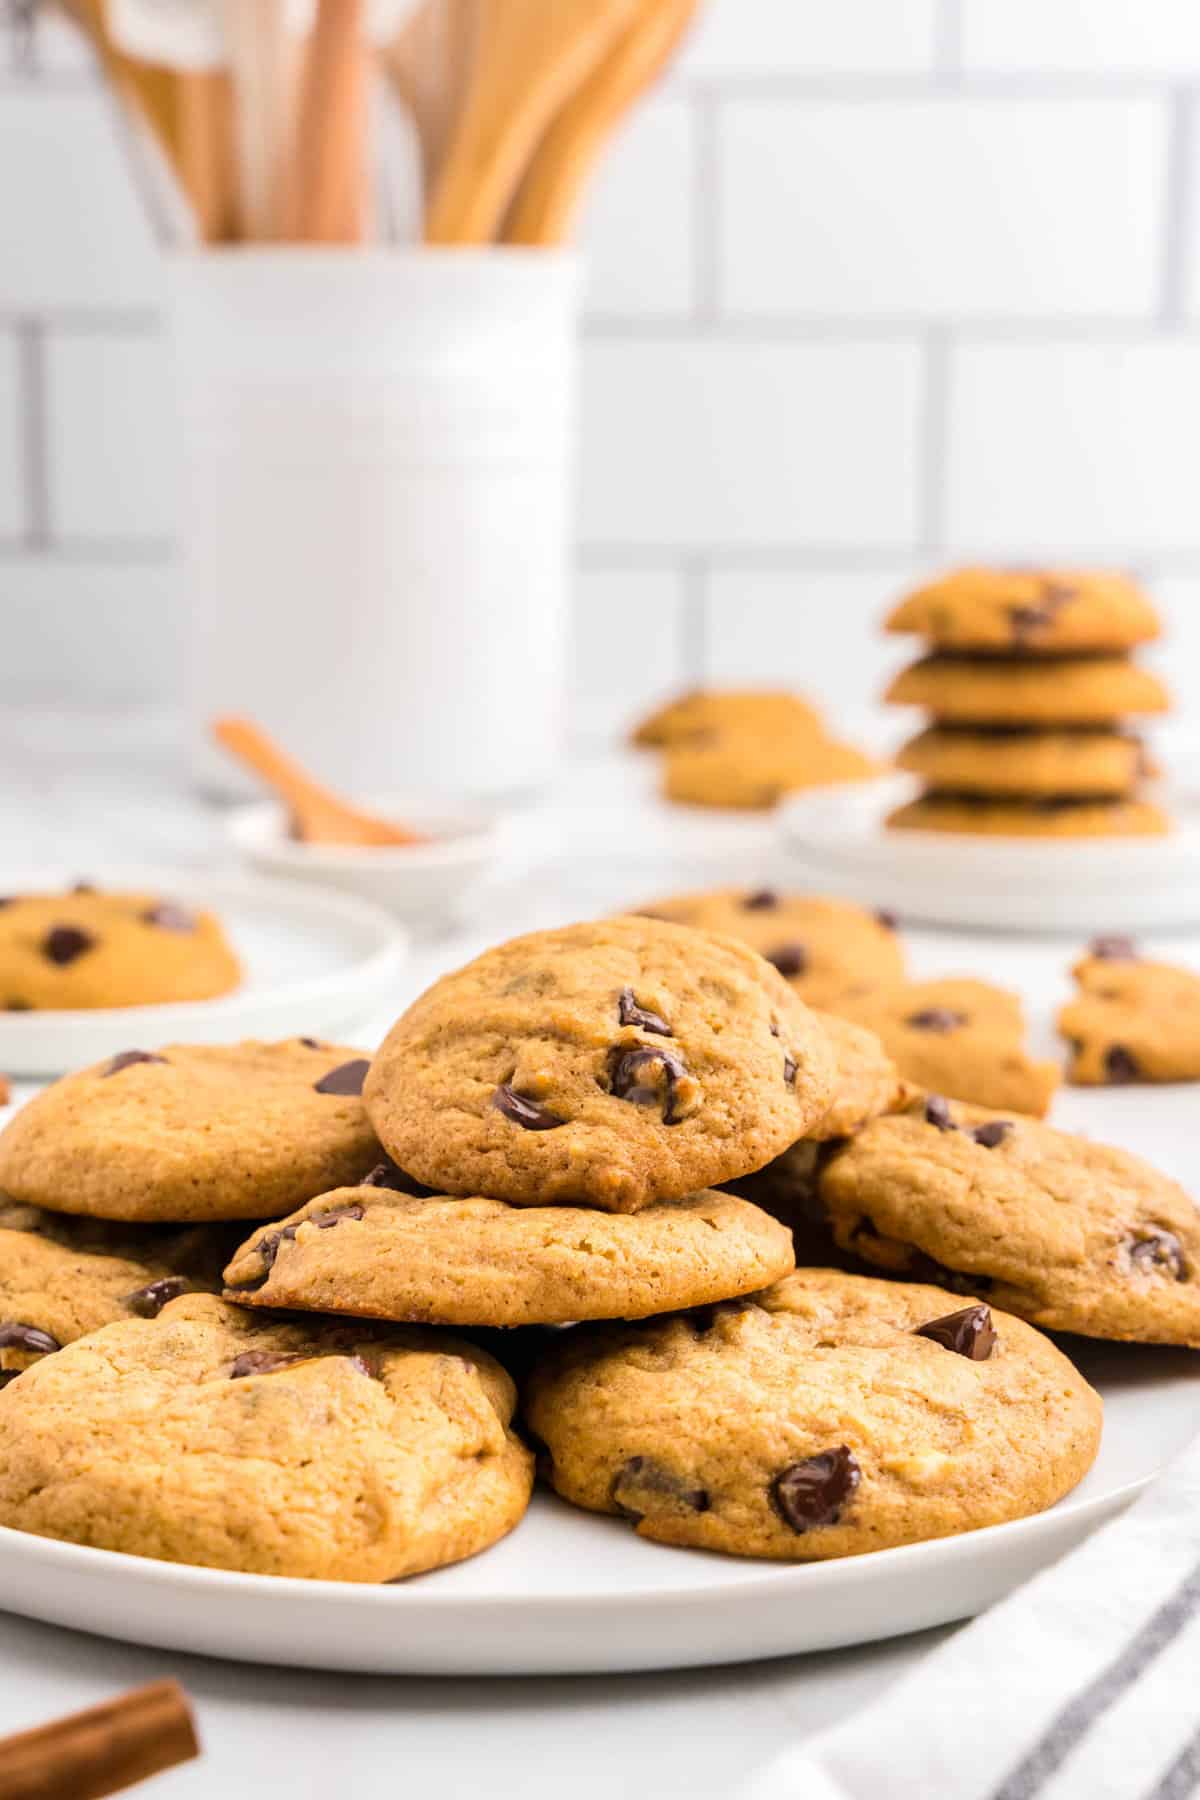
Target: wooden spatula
{"points": [[552, 185], [328, 199], [428, 63], [529, 56], [318, 817]]}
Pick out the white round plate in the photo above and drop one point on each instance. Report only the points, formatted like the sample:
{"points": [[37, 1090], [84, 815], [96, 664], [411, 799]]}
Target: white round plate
{"points": [[568, 1592], [315, 963], [838, 838]]}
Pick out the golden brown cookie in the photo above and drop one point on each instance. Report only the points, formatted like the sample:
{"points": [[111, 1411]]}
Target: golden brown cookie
{"points": [[705, 712], [1028, 610], [821, 946], [1070, 1234], [608, 1064], [1016, 690], [430, 1260], [1133, 1020], [1025, 762], [958, 1036], [86, 949], [211, 1435], [749, 771], [193, 1131], [829, 1416], [975, 815]]}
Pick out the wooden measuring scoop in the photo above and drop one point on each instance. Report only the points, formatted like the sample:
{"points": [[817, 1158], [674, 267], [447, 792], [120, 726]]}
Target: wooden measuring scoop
{"points": [[318, 817]]}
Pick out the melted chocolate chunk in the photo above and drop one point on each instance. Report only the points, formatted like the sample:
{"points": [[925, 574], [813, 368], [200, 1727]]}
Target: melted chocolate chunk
{"points": [[789, 1068], [261, 1362], [27, 1337], [168, 916], [347, 1078], [125, 1059], [630, 1013], [629, 1071], [18, 1006], [1158, 1251], [271, 1242], [968, 1333], [312, 1044], [1113, 949], [84, 887], [643, 1476], [887, 919], [324, 1220], [1120, 1065], [147, 1302], [991, 1132], [523, 1111], [936, 1018], [813, 1492], [761, 900], [63, 943], [937, 1112], [789, 959]]}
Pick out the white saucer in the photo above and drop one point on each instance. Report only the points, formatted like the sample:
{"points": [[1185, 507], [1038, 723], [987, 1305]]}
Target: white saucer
{"points": [[315, 962], [569, 1592], [1079, 885]]}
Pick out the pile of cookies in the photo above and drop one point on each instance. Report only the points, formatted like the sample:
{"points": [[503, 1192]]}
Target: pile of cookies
{"points": [[1028, 679], [745, 749], [265, 1307]]}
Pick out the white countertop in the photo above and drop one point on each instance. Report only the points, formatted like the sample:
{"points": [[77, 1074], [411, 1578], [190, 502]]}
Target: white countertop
{"points": [[92, 794]]}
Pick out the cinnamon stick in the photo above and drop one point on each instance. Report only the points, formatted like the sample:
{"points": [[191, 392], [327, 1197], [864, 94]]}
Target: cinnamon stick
{"points": [[103, 1750]]}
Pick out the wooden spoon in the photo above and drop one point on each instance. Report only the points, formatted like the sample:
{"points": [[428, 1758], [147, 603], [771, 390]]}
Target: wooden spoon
{"points": [[529, 56], [328, 200], [318, 817], [428, 63], [563, 162]]}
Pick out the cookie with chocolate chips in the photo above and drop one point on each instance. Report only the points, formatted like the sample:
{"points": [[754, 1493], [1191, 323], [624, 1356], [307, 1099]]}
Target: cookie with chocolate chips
{"points": [[193, 1132], [432, 1260], [1132, 1020], [1045, 817], [823, 947], [706, 713], [213, 1436], [1023, 690], [1025, 763], [1032, 611], [1067, 1233], [609, 1064], [86, 949], [828, 1416]]}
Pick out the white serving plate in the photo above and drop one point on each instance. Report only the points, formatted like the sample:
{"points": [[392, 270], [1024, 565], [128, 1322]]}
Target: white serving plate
{"points": [[569, 1592], [316, 963], [836, 837]]}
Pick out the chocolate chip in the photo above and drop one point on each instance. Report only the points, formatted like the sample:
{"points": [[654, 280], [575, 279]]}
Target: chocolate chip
{"points": [[1157, 1251], [18, 1006], [386, 1175], [312, 1044], [125, 1059], [324, 1220], [27, 1337], [169, 917], [630, 1013], [7, 899], [269, 1244], [523, 1111], [813, 1492], [147, 1302], [347, 1078], [887, 919], [789, 959], [969, 1333], [647, 1078], [642, 1475], [1113, 949], [63, 943], [789, 1069], [1120, 1065], [1028, 619], [83, 887], [761, 900], [261, 1362], [937, 1112], [991, 1133], [936, 1018]]}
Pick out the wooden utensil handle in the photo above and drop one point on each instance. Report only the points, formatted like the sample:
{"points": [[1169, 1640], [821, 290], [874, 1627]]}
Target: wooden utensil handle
{"points": [[103, 1750]]}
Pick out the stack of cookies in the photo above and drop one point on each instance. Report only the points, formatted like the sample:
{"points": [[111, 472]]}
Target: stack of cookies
{"points": [[1028, 679]]}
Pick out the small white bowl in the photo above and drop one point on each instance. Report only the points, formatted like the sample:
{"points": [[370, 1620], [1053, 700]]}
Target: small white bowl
{"points": [[418, 882]]}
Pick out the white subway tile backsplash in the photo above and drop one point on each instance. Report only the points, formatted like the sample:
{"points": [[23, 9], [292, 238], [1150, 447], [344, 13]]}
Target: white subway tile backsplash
{"points": [[638, 225], [771, 37], [1176, 656], [941, 207], [13, 507], [709, 443], [73, 231], [1093, 37], [108, 436], [627, 647], [1074, 447], [105, 632]]}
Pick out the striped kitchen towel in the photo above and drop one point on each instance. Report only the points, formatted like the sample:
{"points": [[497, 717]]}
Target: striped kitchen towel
{"points": [[1083, 1685]]}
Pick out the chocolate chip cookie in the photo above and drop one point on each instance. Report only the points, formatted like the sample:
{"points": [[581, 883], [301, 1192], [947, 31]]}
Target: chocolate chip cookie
{"points": [[1065, 1232], [1133, 1019], [828, 1416], [974, 814], [1032, 611], [707, 712], [382, 1254], [958, 1036], [1023, 690], [211, 1435], [608, 1064], [1024, 762], [822, 947], [87, 949], [754, 771], [193, 1131]]}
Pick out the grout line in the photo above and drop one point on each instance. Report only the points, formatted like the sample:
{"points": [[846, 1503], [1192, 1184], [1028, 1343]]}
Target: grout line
{"points": [[31, 388], [1178, 206], [107, 321], [839, 558], [706, 223], [933, 444], [947, 81], [693, 646], [82, 552], [948, 41], [770, 328]]}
